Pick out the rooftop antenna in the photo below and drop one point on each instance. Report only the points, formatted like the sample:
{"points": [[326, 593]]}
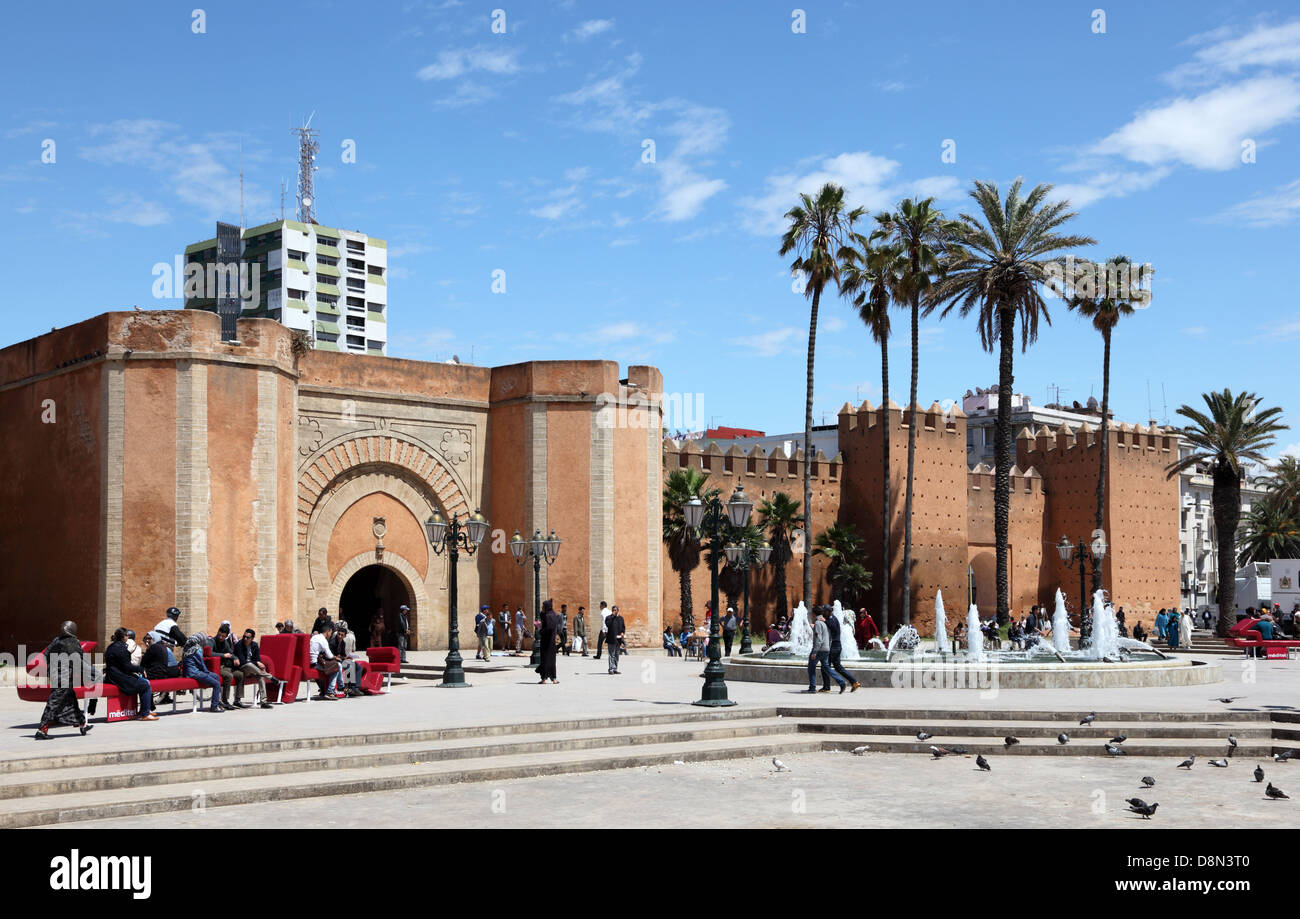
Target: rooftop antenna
{"points": [[241, 186], [1164, 402], [1148, 398], [308, 147], [282, 199]]}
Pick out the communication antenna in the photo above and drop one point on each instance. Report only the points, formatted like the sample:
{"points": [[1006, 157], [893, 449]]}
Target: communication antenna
{"points": [[1164, 402], [1148, 398], [282, 199], [308, 147]]}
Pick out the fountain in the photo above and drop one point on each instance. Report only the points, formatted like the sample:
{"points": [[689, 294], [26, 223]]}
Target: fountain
{"points": [[974, 635], [1061, 625], [940, 625], [1104, 645], [905, 638], [848, 640]]}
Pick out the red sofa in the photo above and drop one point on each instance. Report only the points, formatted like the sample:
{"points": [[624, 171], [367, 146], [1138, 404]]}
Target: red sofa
{"points": [[385, 661], [281, 655]]}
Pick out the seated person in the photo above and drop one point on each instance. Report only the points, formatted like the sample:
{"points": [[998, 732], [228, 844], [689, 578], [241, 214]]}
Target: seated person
{"points": [[193, 668], [248, 658], [158, 662], [1267, 630], [223, 648], [1139, 633], [344, 646], [126, 676], [670, 642], [773, 635], [325, 663], [137, 652], [167, 627]]}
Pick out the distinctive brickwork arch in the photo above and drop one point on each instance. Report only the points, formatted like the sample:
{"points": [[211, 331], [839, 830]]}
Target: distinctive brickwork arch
{"points": [[376, 452], [405, 571]]}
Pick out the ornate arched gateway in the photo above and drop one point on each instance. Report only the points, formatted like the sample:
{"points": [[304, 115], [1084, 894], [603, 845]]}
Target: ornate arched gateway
{"points": [[363, 498]]}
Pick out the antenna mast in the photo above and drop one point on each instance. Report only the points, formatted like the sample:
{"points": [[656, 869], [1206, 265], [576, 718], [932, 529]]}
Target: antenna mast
{"points": [[308, 147]]}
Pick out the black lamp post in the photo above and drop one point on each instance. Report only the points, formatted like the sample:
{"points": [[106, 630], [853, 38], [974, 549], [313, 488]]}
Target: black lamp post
{"points": [[1083, 554], [744, 556], [454, 538], [537, 549], [707, 519]]}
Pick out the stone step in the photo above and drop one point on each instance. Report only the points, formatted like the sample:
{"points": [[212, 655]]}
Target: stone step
{"points": [[1248, 752], [200, 770], [1061, 717], [79, 805], [1262, 733]]}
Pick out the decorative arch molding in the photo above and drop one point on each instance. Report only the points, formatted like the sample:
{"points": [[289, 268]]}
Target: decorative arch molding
{"points": [[405, 571], [336, 502], [376, 452]]}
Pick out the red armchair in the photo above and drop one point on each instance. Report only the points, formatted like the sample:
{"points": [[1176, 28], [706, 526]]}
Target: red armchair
{"points": [[386, 661], [281, 655]]}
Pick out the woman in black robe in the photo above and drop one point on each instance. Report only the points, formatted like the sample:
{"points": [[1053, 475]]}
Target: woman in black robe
{"points": [[547, 636], [68, 669]]}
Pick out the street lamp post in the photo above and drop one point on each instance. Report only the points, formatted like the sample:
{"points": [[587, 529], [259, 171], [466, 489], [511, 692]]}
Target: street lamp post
{"points": [[453, 538], [707, 519], [537, 548], [743, 556], [1083, 554]]}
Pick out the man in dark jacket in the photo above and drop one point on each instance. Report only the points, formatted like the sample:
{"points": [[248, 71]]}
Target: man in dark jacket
{"points": [[833, 625], [156, 663], [248, 656], [224, 650], [167, 627], [126, 676], [614, 629]]}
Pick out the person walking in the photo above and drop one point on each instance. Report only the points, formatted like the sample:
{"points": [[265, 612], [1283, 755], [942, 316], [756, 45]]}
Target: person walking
{"points": [[68, 667], [729, 624], [503, 627], [545, 636], [866, 629], [580, 629], [403, 630], [615, 628], [564, 629], [1172, 631], [820, 655], [834, 628], [600, 639], [1162, 619], [520, 632], [1185, 630]]}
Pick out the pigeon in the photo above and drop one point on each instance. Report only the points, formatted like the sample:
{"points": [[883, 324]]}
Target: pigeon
{"points": [[1145, 810], [1259, 773], [1280, 757], [780, 766], [983, 764], [1010, 741], [1232, 741], [1274, 792], [1089, 718], [858, 751], [1115, 751], [1285, 755], [1148, 781], [922, 735], [939, 751], [960, 751], [1230, 699], [1135, 802], [1119, 738], [1063, 739], [1187, 763], [1221, 763]]}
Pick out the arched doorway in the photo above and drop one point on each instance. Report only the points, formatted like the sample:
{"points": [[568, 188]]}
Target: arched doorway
{"points": [[373, 591]]}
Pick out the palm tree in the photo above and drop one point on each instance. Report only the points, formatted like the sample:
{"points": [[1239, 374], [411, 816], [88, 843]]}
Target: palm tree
{"points": [[1104, 306], [683, 548], [779, 516], [842, 546], [1284, 479], [1271, 530], [819, 228], [851, 581], [916, 233], [1231, 432], [866, 278], [998, 266]]}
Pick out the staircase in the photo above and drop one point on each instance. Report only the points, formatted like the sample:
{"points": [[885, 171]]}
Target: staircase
{"points": [[61, 789], [1204, 644]]}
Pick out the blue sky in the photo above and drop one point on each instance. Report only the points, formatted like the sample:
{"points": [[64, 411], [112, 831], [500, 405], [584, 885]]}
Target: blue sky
{"points": [[523, 151]]}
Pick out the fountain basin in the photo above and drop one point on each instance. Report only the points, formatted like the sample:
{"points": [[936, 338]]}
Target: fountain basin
{"points": [[937, 671]]}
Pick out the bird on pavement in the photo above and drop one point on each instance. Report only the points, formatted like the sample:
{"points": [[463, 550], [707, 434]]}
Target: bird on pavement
{"points": [[1115, 751], [1148, 781], [780, 766], [1135, 802], [1063, 738], [858, 751], [1230, 699], [1221, 763], [1119, 738], [1089, 718], [960, 751], [1232, 745], [1274, 792], [1145, 810], [922, 735], [983, 764], [1187, 763], [1280, 757], [1259, 773], [939, 752], [1010, 741]]}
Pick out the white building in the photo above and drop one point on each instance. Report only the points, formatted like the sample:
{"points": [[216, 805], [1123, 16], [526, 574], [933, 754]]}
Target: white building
{"points": [[331, 284], [981, 408]]}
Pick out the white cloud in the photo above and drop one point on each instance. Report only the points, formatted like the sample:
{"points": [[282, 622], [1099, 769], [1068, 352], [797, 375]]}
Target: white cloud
{"points": [[833, 324], [1206, 131], [1290, 450], [868, 180], [1265, 46], [557, 209], [683, 191], [1110, 184], [770, 344], [1280, 206], [591, 28], [460, 61], [1196, 331], [131, 208]]}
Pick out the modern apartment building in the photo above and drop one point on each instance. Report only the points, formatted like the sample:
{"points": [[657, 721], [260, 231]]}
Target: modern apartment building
{"points": [[331, 284]]}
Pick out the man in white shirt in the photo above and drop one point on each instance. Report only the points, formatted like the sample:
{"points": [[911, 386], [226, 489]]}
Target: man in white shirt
{"points": [[600, 639], [324, 662]]}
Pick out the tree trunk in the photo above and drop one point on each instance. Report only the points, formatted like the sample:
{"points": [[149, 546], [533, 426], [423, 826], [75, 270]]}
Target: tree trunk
{"points": [[911, 458], [1227, 514], [778, 577], [887, 555], [1105, 454], [807, 453], [1002, 476], [688, 613]]}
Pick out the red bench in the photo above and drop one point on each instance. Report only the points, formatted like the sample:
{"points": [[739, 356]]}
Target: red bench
{"points": [[1274, 648], [385, 662]]}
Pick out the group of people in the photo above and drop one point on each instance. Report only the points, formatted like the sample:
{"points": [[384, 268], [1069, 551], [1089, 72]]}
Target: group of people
{"points": [[550, 631]]}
